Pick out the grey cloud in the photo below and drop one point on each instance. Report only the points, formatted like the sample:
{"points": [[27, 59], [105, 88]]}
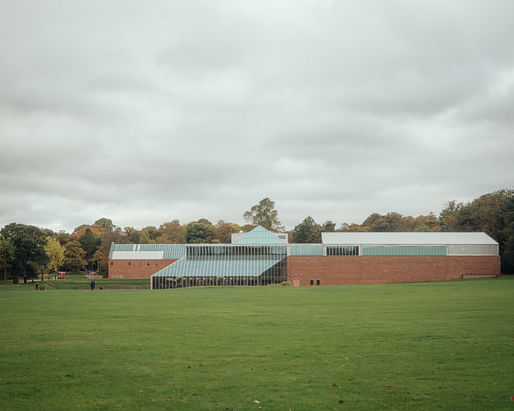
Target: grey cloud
{"points": [[198, 109]]}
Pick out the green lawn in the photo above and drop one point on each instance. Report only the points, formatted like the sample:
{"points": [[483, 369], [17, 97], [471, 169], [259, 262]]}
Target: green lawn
{"points": [[427, 345]]}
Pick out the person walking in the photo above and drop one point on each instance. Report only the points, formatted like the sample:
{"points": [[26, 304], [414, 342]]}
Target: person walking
{"points": [[92, 285]]}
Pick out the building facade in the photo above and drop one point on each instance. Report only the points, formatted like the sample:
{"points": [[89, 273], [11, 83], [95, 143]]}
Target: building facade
{"points": [[261, 257]]}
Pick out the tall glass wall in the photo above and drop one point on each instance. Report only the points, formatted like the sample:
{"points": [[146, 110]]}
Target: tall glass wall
{"points": [[225, 265]]}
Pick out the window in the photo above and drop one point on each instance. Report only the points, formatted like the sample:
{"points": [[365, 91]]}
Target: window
{"points": [[112, 263], [317, 282], [342, 250], [148, 263], [312, 282], [157, 263], [130, 263]]}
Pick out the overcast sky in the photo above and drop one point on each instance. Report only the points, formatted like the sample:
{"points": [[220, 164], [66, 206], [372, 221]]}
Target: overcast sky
{"points": [[144, 112]]}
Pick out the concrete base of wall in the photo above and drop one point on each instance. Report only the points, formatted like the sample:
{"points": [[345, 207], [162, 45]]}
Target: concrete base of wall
{"points": [[305, 271], [473, 276]]}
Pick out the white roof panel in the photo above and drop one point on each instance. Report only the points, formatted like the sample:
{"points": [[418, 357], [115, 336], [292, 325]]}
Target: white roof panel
{"points": [[409, 238], [137, 255]]}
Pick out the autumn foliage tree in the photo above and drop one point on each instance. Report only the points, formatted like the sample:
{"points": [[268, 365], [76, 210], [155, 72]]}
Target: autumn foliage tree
{"points": [[225, 230], [172, 232], [55, 252]]}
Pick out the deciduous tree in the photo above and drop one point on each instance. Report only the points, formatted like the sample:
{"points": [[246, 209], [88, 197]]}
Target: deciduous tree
{"points": [[328, 226], [74, 257], [6, 256], [89, 243], [105, 223], [264, 214], [448, 216], [201, 231], [55, 252], [492, 213], [225, 230], [132, 234], [100, 259], [308, 231], [172, 232], [28, 245], [149, 235]]}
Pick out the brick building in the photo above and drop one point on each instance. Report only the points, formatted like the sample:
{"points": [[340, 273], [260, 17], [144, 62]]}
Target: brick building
{"points": [[261, 257]]}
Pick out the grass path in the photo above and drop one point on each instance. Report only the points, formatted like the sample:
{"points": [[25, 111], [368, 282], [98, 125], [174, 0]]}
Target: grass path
{"points": [[427, 345], [75, 281]]}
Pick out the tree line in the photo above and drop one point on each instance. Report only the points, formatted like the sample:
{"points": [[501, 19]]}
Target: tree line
{"points": [[28, 252]]}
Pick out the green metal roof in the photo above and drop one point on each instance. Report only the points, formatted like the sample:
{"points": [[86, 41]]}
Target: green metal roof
{"points": [[259, 235], [400, 251], [219, 267]]}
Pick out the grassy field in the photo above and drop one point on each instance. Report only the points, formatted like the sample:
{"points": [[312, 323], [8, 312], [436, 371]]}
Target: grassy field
{"points": [[426, 346]]}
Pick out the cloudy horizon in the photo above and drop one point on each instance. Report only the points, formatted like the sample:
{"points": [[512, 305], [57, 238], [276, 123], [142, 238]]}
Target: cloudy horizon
{"points": [[199, 109]]}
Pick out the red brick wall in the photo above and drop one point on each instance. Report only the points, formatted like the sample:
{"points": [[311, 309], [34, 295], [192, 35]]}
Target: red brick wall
{"points": [[136, 268], [347, 270], [377, 270]]}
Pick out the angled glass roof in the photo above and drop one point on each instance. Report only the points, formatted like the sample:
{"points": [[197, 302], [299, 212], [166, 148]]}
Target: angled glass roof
{"points": [[259, 235], [219, 267]]}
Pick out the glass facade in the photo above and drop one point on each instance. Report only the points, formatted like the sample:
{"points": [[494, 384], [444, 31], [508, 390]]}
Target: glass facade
{"points": [[223, 265]]}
